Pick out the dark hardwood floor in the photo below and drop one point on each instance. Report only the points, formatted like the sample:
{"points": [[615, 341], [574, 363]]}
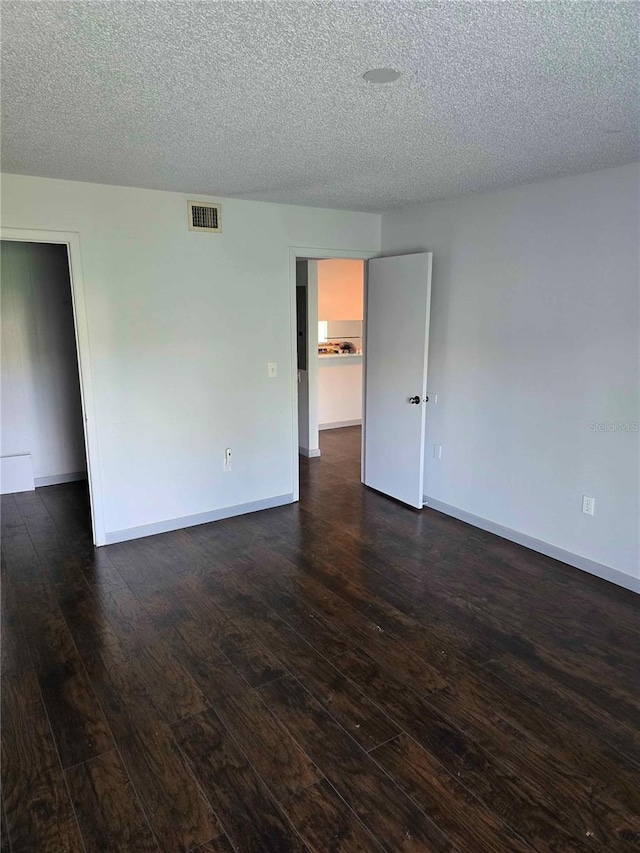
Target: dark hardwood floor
{"points": [[340, 675]]}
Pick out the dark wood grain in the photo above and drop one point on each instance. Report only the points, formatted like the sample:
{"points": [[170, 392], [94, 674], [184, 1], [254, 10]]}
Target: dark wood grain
{"points": [[221, 844], [252, 658], [42, 529], [614, 737], [12, 520], [39, 814], [107, 807], [77, 721], [248, 813], [68, 507], [601, 796], [178, 813], [530, 810], [375, 798], [309, 607], [276, 756], [470, 824], [93, 564], [326, 823], [4, 833], [342, 674], [159, 561], [170, 687], [365, 722], [85, 614]]}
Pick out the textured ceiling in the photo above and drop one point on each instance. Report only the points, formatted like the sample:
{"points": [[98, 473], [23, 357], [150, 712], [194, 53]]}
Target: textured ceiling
{"points": [[265, 100]]}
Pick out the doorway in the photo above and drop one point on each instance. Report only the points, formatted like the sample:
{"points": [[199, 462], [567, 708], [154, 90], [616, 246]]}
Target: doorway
{"points": [[44, 447], [330, 344], [397, 298]]}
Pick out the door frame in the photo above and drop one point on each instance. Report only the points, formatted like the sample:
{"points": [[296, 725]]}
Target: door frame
{"points": [[310, 253], [71, 239]]}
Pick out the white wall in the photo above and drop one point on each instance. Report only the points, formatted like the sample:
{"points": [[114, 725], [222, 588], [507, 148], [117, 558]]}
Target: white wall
{"points": [[41, 411], [181, 327], [534, 338], [339, 390]]}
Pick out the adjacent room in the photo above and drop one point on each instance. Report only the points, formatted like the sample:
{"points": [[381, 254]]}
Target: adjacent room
{"points": [[340, 341], [320, 452]]}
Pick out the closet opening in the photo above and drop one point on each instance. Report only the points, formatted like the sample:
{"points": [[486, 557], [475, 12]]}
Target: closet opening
{"points": [[43, 453]]}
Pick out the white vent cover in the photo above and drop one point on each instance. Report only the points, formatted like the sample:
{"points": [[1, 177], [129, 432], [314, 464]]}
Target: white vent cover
{"points": [[204, 217]]}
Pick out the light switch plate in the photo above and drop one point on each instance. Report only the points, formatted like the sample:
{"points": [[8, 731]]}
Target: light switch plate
{"points": [[272, 369]]}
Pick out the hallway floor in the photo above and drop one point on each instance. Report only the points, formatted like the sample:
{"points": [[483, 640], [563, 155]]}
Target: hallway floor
{"points": [[343, 674]]}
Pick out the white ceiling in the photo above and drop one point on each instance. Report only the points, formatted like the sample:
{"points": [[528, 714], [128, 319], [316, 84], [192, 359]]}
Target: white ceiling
{"points": [[265, 100]]}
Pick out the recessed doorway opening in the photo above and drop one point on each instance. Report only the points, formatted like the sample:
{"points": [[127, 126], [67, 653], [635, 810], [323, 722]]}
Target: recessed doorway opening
{"points": [[44, 460], [394, 351], [330, 335]]}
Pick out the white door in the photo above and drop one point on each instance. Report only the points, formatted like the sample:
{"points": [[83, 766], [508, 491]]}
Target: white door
{"points": [[396, 347]]}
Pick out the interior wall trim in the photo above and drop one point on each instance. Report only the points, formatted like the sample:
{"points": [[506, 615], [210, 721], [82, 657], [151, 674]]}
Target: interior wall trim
{"points": [[57, 479], [574, 560], [312, 453], [339, 424], [114, 536]]}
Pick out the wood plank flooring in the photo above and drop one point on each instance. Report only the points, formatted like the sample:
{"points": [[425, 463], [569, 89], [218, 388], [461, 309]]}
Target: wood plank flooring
{"points": [[344, 674]]}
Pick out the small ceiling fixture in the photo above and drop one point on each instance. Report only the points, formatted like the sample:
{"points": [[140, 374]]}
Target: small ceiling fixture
{"points": [[381, 75]]}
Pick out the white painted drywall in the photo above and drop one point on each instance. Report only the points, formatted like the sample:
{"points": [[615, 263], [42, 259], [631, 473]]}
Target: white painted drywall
{"points": [[181, 327], [339, 390], [303, 411], [41, 410], [534, 340]]}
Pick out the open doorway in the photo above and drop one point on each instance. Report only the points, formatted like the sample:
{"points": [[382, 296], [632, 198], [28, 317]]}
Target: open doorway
{"points": [[42, 448], [397, 298], [330, 355]]}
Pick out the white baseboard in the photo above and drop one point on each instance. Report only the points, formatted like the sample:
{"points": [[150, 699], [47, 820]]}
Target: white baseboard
{"points": [[58, 479], [575, 560], [310, 454], [192, 520], [340, 424]]}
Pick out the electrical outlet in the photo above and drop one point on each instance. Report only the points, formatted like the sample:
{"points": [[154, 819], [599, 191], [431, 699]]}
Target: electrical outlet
{"points": [[437, 451], [588, 505], [226, 465]]}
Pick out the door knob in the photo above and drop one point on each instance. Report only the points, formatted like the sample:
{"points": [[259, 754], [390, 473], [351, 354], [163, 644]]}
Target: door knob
{"points": [[415, 400]]}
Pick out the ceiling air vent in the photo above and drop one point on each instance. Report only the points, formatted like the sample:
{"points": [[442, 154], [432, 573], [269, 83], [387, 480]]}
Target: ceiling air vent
{"points": [[204, 217]]}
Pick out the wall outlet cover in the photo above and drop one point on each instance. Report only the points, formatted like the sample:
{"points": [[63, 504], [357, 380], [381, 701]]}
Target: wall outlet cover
{"points": [[588, 505]]}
